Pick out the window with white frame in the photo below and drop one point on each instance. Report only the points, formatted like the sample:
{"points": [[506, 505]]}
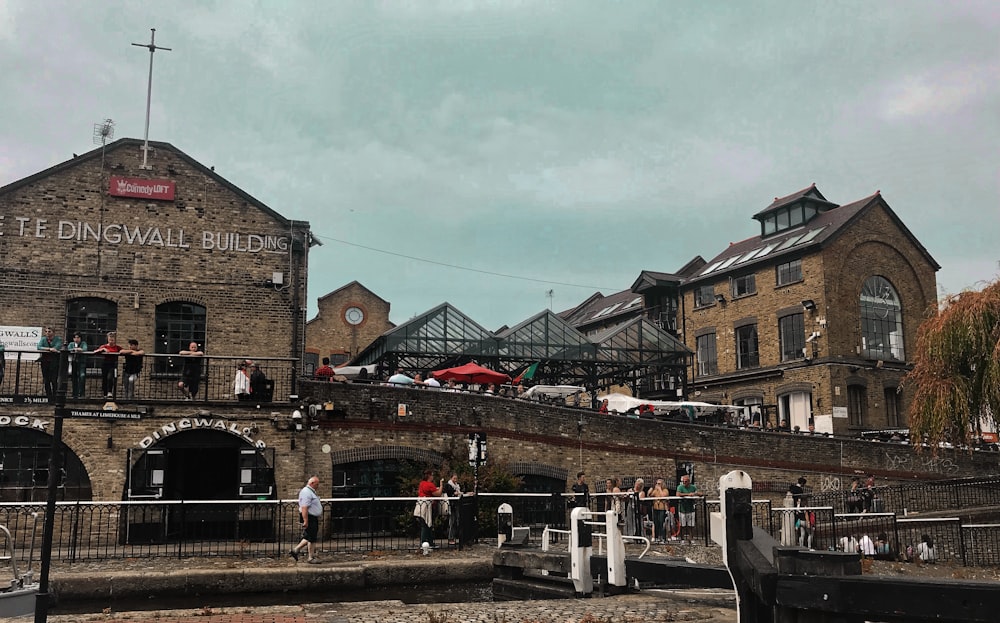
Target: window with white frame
{"points": [[881, 320], [747, 353], [707, 358]]}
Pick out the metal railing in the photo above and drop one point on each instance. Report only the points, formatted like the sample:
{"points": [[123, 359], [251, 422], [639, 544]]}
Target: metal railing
{"points": [[930, 496], [84, 531], [23, 381]]}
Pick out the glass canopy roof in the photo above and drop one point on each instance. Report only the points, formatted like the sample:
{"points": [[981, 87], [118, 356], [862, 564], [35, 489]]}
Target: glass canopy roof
{"points": [[443, 337]]}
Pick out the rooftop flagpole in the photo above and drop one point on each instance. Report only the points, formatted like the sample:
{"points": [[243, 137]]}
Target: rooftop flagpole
{"points": [[152, 47]]}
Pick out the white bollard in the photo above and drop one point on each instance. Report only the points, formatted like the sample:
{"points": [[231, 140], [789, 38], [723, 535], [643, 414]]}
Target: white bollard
{"points": [[616, 550], [579, 557]]}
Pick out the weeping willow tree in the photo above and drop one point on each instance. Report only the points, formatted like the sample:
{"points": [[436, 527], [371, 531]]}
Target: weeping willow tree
{"points": [[956, 374]]}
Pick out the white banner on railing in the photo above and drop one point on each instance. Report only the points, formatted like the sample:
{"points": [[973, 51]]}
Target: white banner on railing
{"points": [[20, 339]]}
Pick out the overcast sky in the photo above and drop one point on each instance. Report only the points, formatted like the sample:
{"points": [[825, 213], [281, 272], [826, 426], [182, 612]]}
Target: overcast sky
{"points": [[483, 153]]}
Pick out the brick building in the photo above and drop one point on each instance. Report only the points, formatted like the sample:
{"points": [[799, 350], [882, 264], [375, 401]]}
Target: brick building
{"points": [[347, 320], [813, 319], [169, 253]]}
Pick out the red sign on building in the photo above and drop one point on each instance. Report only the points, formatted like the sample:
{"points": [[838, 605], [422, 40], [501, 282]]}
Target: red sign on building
{"points": [[144, 189]]}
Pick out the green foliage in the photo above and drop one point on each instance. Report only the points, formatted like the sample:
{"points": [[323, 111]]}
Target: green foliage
{"points": [[956, 374]]}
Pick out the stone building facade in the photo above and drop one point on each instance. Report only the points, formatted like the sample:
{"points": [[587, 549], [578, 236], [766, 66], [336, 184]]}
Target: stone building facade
{"points": [[347, 320], [811, 322]]}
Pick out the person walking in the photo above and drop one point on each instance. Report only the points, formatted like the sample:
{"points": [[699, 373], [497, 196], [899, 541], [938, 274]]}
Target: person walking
{"points": [[310, 514]]}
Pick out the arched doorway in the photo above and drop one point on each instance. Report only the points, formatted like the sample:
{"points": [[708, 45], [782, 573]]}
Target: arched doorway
{"points": [[200, 484]]}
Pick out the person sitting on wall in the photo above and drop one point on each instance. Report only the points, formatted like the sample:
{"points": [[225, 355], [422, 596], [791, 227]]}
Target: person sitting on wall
{"points": [[324, 372]]}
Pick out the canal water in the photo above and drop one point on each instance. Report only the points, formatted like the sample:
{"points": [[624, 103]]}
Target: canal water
{"points": [[415, 594]]}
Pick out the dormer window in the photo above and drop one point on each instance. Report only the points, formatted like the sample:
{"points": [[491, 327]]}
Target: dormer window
{"points": [[792, 211], [786, 218]]}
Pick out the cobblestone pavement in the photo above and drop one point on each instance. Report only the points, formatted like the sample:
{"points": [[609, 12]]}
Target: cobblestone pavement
{"points": [[707, 607], [650, 605]]}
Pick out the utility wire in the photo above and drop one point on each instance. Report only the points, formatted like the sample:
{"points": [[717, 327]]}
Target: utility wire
{"points": [[457, 267]]}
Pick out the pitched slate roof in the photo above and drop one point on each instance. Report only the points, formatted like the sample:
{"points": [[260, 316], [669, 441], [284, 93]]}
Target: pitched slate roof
{"points": [[818, 232], [603, 309]]}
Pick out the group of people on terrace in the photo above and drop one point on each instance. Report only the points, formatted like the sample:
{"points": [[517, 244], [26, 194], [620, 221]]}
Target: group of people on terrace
{"points": [[656, 512], [51, 344]]}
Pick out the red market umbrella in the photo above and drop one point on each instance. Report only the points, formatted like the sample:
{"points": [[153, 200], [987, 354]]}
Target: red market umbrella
{"points": [[471, 373]]}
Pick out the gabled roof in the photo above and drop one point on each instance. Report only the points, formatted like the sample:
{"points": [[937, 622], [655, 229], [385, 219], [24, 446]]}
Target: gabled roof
{"points": [[345, 287], [648, 279], [691, 267], [817, 233], [545, 336], [121, 143], [568, 313]]}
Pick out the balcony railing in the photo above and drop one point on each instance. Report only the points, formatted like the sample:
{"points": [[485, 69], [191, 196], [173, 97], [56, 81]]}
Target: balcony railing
{"points": [[22, 382]]}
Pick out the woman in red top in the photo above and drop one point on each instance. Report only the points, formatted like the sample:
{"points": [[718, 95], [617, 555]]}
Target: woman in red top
{"points": [[427, 489], [109, 367]]}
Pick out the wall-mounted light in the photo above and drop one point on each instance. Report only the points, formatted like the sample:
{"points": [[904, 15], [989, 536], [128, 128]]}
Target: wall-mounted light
{"points": [[808, 305], [297, 419], [721, 298]]}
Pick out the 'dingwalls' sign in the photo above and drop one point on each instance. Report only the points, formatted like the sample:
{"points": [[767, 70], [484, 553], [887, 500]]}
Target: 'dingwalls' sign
{"points": [[23, 339], [162, 190]]}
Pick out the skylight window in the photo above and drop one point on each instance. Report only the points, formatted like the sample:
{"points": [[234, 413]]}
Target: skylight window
{"points": [[749, 256], [810, 236], [710, 268], [729, 262], [789, 242], [768, 249], [607, 310]]}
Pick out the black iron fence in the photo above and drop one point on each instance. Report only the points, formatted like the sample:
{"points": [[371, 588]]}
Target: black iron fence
{"points": [[22, 380], [930, 496], [84, 531]]}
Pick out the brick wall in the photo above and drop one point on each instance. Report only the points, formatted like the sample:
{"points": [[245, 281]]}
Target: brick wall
{"points": [[555, 440]]}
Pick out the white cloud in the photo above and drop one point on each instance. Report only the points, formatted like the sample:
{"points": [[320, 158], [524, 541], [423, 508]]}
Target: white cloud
{"points": [[943, 91]]}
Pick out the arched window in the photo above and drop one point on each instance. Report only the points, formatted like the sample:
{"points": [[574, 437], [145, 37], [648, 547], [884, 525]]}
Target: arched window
{"points": [[881, 320], [177, 325], [92, 318], [24, 463]]}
